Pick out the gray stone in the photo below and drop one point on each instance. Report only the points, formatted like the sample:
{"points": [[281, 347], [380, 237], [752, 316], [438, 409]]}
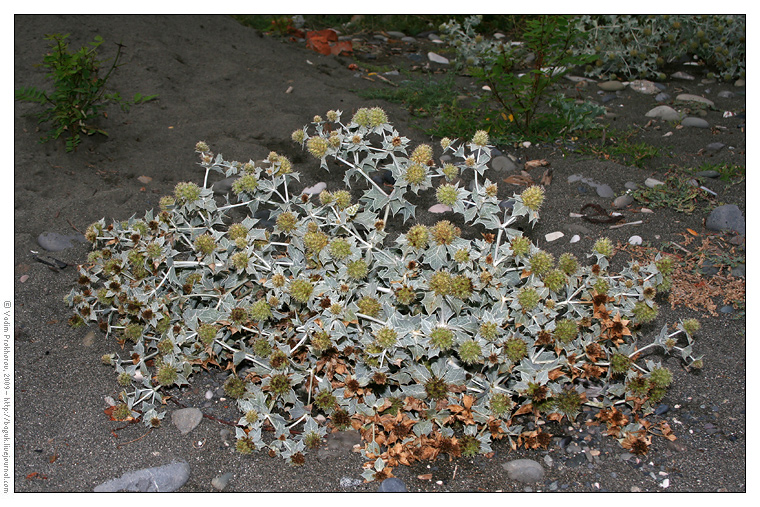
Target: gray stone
{"points": [[392, 485], [728, 216], [220, 482], [651, 182], [339, 444], [688, 97], [55, 242], [740, 83], [643, 86], [408, 39], [631, 185], [739, 271], [715, 147], [524, 470], [611, 86], [186, 419], [622, 201], [726, 94], [666, 113], [605, 191], [690, 121], [707, 174], [662, 97], [433, 57], [396, 35], [608, 97], [682, 75], [503, 164], [635, 240], [163, 479], [349, 482]]}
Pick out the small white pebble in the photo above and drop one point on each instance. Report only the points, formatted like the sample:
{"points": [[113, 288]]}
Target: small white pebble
{"points": [[553, 236], [575, 239], [439, 208], [315, 189], [209, 394], [665, 483], [635, 240], [526, 144], [440, 483]]}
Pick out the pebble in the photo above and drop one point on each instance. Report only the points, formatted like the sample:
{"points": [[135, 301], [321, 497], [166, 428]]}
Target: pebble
{"points": [[186, 419], [651, 182], [339, 444], [433, 57], [644, 86], [553, 236], [575, 238], [439, 208], [503, 164], [688, 97], [663, 112], [728, 216], [605, 191], [715, 147], [622, 201], [727, 309], [707, 174], [55, 242], [690, 121], [726, 94], [349, 482], [396, 35], [662, 97], [524, 470], [635, 240], [392, 485], [316, 189], [220, 482], [740, 83], [163, 479], [662, 408], [631, 185], [611, 86], [682, 75]]}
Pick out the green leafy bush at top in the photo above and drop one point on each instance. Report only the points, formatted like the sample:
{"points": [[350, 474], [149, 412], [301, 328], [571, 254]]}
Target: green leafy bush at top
{"points": [[79, 93], [426, 343], [520, 74], [640, 46]]}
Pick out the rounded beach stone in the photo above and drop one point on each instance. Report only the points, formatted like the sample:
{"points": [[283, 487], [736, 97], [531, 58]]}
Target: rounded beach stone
{"points": [[54, 242], [695, 122], [392, 485], [524, 470], [728, 216]]}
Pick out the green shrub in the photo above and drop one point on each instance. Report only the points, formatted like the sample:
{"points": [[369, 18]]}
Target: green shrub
{"points": [[434, 349]]}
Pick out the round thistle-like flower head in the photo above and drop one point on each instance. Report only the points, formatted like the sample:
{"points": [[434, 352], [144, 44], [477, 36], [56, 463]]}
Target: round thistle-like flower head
{"points": [[501, 404], [418, 236], [620, 363], [278, 359], [660, 377], [185, 192], [262, 347], [422, 154], [442, 337], [444, 232], [489, 330], [520, 246], [166, 202], [445, 142], [603, 246], [246, 183], [332, 115], [315, 241], [317, 119], [234, 387], [533, 197], [335, 140], [317, 146], [555, 280], [386, 337], [377, 117], [437, 388], [166, 375], [369, 306], [515, 349], [286, 221], [361, 117], [470, 352], [568, 263], [541, 262], [405, 295], [298, 136], [440, 283], [321, 340], [325, 400], [277, 280], [301, 290], [239, 260], [665, 265], [461, 287], [122, 412], [260, 310], [205, 244], [279, 384], [691, 326], [342, 199], [644, 313], [601, 286], [207, 333], [528, 298], [447, 194], [339, 248], [133, 332], [245, 445], [480, 138], [415, 174], [566, 330], [462, 255], [450, 171], [357, 269], [201, 147]]}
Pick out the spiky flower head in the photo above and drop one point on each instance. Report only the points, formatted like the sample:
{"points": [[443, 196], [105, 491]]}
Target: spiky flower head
{"points": [[660, 377], [205, 244], [166, 375], [279, 384], [239, 260], [317, 146], [246, 183], [201, 147], [286, 221], [234, 387], [377, 117], [166, 202], [386, 337], [447, 194], [277, 280], [462, 255], [489, 330], [566, 330], [665, 265], [416, 174], [369, 306], [691, 326], [461, 287], [418, 236], [332, 115], [93, 231], [186, 192], [528, 298], [260, 310], [405, 295], [315, 241], [541, 262], [361, 117], [470, 445], [325, 400], [298, 136], [245, 445], [568, 263], [442, 337], [440, 283], [554, 280], [339, 248], [207, 333], [437, 388], [603, 246], [321, 340], [422, 154], [450, 171], [520, 246], [470, 352], [644, 313], [533, 197], [262, 347], [445, 142], [278, 359], [301, 290], [444, 232], [133, 332], [515, 349], [620, 363], [480, 138], [601, 286], [342, 199], [357, 269], [500, 404]]}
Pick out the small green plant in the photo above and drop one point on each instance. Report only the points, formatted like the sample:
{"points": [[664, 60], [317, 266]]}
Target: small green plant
{"points": [[521, 74], [617, 146], [676, 192], [79, 93], [425, 343]]}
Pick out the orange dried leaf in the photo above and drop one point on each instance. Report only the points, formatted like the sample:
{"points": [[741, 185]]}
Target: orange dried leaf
{"points": [[425, 477], [692, 232]]}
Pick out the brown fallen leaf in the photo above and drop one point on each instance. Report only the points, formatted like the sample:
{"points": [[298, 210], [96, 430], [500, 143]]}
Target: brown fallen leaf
{"points": [[532, 164], [144, 179], [523, 179], [546, 179], [425, 477]]}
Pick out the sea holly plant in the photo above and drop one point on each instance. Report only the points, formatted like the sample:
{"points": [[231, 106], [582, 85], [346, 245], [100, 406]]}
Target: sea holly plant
{"points": [[426, 343]]}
